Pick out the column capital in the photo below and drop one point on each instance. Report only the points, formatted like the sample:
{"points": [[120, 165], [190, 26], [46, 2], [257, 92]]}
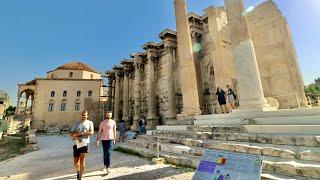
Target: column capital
{"points": [[127, 66], [212, 10]]}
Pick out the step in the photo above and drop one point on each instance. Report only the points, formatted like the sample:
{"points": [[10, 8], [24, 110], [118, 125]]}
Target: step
{"points": [[192, 161], [277, 139], [282, 151], [282, 113], [283, 129], [200, 128]]}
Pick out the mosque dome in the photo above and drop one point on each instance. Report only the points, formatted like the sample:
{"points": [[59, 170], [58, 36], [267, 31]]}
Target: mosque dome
{"points": [[76, 66]]}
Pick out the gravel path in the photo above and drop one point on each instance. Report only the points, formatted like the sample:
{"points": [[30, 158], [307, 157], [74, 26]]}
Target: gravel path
{"points": [[54, 161]]}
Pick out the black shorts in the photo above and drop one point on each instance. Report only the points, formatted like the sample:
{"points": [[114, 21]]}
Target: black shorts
{"points": [[222, 102], [77, 152]]}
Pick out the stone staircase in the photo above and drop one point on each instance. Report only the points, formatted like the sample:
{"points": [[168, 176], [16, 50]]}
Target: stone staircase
{"points": [[285, 156]]}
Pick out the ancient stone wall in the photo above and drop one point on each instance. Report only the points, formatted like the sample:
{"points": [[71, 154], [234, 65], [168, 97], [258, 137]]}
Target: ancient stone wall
{"points": [[276, 56]]}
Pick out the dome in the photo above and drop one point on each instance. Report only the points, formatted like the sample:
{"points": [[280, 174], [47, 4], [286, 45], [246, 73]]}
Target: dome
{"points": [[76, 66]]}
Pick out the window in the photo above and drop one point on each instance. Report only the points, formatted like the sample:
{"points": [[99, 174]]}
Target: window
{"points": [[51, 106], [78, 93], [91, 76], [52, 93], [63, 106], [90, 93], [64, 94], [77, 106], [70, 74]]}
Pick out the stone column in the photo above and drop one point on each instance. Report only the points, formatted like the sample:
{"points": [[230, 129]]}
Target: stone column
{"points": [[125, 94], [247, 72], [137, 93], [31, 107], [18, 105], [169, 41], [117, 96], [152, 118], [189, 87], [26, 105], [110, 75]]}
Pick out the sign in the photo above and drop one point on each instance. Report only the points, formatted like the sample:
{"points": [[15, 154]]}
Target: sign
{"points": [[131, 135], [224, 165]]}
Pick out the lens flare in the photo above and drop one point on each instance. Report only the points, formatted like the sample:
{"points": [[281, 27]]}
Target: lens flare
{"points": [[196, 47], [248, 10]]}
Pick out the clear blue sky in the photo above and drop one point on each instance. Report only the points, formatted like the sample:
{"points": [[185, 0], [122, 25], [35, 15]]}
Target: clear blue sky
{"points": [[39, 35]]}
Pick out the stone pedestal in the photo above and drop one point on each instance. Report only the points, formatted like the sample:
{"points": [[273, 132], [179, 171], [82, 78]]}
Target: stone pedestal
{"points": [[247, 72], [189, 87]]}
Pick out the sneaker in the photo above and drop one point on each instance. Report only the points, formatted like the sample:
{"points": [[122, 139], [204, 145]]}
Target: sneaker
{"points": [[78, 175], [108, 170]]}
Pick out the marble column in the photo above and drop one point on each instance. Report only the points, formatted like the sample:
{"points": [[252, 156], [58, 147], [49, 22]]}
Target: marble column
{"points": [[188, 79], [31, 107], [26, 104], [169, 39], [152, 118], [137, 92], [110, 75], [251, 93], [125, 94], [117, 96]]}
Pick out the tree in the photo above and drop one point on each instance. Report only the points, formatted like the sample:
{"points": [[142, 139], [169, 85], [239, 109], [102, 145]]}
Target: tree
{"points": [[10, 111]]}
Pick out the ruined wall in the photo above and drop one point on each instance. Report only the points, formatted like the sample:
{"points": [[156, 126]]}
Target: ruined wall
{"points": [[279, 69]]}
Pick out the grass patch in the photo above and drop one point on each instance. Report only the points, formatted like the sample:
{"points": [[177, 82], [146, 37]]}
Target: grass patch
{"points": [[127, 151], [10, 147], [182, 168]]}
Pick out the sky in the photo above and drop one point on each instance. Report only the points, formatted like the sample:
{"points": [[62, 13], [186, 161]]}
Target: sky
{"points": [[37, 36]]}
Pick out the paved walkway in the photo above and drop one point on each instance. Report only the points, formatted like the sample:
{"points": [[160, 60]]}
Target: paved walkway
{"points": [[54, 161]]}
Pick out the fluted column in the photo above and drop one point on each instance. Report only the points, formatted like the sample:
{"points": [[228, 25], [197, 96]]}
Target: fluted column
{"points": [[117, 97], [152, 118], [247, 72], [189, 86], [137, 94]]}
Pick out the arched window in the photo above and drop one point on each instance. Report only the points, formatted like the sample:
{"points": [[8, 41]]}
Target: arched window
{"points": [[78, 93], [64, 93], [52, 76], [91, 76], [70, 74], [77, 105], [51, 105], [63, 105], [53, 93], [90, 93]]}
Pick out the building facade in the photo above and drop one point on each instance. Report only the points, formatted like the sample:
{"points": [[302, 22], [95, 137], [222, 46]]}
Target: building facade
{"points": [[178, 76], [59, 98]]}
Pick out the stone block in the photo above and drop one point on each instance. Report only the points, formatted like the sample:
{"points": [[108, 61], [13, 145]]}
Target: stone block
{"points": [[310, 156], [254, 150]]}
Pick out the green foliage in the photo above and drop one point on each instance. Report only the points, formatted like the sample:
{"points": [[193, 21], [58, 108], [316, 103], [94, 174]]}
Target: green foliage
{"points": [[10, 111], [312, 89]]}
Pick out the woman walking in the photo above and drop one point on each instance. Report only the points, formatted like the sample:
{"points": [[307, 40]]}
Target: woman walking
{"points": [[107, 134], [221, 95]]}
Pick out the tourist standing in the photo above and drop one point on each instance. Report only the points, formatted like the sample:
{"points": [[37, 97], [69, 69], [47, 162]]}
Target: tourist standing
{"points": [[122, 129], [80, 133], [107, 134], [221, 95], [232, 97], [142, 125]]}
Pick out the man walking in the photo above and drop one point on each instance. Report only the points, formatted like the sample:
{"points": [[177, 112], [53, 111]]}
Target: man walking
{"points": [[80, 133], [107, 134]]}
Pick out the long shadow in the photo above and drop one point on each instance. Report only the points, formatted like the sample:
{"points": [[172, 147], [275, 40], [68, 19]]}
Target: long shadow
{"points": [[152, 174]]}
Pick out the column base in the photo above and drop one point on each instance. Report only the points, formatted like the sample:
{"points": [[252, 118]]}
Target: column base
{"points": [[135, 125], [190, 112], [152, 123], [259, 105]]}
